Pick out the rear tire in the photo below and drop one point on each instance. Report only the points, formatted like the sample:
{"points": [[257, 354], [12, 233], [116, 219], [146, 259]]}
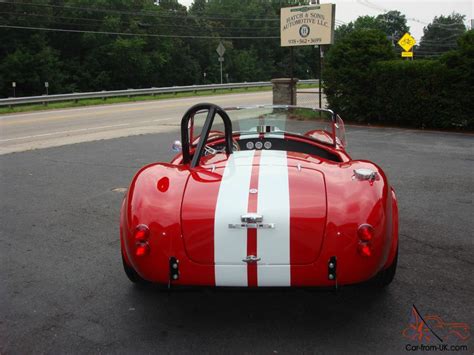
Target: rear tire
{"points": [[132, 274], [386, 276]]}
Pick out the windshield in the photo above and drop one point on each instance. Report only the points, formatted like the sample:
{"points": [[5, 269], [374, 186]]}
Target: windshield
{"points": [[278, 120], [311, 123]]}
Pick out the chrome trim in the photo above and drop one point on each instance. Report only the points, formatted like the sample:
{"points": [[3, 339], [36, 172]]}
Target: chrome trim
{"points": [[251, 218], [251, 225], [177, 146], [251, 259], [365, 174]]}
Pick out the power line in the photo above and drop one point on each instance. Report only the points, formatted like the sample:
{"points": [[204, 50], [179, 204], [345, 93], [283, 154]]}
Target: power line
{"points": [[140, 23], [141, 13], [135, 34]]}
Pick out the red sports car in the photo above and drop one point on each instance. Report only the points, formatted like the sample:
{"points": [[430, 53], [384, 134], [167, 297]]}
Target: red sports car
{"points": [[259, 197]]}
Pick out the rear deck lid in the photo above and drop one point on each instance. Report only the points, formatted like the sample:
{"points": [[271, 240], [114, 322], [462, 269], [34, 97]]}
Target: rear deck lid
{"points": [[263, 189]]}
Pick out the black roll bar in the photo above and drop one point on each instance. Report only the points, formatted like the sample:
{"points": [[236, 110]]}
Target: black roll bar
{"points": [[186, 144]]}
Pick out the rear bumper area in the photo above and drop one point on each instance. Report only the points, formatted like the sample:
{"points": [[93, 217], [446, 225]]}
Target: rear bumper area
{"points": [[318, 274]]}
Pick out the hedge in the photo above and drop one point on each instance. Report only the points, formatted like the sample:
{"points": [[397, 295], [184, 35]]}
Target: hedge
{"points": [[420, 93]]}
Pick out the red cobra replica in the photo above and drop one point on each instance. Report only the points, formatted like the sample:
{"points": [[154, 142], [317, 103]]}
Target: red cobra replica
{"points": [[269, 198]]}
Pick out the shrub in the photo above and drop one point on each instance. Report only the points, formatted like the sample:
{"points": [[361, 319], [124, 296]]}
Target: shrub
{"points": [[408, 92], [418, 93], [347, 72]]}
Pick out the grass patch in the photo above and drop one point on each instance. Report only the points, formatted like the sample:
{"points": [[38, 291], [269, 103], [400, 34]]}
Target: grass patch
{"points": [[115, 100]]}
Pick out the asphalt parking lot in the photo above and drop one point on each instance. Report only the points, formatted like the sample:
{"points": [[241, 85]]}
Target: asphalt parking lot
{"points": [[63, 290]]}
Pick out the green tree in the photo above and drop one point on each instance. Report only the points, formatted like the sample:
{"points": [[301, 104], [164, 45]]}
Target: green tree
{"points": [[441, 35], [348, 69], [457, 95], [392, 23]]}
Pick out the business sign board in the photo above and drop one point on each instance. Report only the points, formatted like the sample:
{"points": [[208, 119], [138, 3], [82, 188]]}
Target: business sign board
{"points": [[307, 25]]}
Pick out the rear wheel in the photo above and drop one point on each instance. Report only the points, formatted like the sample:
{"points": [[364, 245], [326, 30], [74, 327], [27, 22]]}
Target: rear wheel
{"points": [[386, 276], [132, 274]]}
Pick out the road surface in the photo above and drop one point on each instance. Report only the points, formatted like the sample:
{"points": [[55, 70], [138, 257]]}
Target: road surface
{"points": [[20, 132]]}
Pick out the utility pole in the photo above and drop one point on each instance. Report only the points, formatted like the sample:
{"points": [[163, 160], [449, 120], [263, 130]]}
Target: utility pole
{"points": [[320, 63]]}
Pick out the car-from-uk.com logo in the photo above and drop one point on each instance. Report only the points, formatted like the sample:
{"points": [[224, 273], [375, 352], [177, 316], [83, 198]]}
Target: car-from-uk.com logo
{"points": [[431, 333]]}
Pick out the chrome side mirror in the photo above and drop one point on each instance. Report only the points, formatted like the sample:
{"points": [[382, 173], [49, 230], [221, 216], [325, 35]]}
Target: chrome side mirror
{"points": [[177, 146]]}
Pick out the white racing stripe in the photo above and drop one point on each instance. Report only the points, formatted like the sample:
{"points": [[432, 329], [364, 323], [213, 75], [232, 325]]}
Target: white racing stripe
{"points": [[230, 245], [273, 245]]}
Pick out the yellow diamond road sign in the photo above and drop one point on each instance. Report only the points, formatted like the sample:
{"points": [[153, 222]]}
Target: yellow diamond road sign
{"points": [[406, 42]]}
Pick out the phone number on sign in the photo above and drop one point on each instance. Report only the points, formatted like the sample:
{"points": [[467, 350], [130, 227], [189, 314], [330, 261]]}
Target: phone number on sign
{"points": [[305, 41]]}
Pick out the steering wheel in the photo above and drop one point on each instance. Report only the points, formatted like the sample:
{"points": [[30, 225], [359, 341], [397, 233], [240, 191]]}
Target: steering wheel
{"points": [[208, 150]]}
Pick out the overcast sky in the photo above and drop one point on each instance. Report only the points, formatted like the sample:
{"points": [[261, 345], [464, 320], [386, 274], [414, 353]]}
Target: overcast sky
{"points": [[419, 12]]}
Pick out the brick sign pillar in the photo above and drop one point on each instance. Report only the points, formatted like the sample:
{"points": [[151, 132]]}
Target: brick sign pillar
{"points": [[283, 90]]}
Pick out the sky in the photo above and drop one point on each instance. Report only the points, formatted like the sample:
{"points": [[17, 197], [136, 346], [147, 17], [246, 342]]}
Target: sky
{"points": [[419, 12]]}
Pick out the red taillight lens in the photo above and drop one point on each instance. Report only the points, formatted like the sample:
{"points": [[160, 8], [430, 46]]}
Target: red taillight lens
{"points": [[366, 235], [141, 244], [364, 249], [365, 232], [142, 249], [141, 233], [163, 184]]}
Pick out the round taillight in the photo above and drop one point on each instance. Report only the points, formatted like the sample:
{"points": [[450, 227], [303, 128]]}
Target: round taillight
{"points": [[365, 232], [141, 233]]}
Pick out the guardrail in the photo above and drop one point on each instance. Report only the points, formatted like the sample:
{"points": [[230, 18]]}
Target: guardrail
{"points": [[44, 99]]}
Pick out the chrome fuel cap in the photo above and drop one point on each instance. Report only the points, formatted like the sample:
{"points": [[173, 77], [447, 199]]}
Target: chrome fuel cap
{"points": [[365, 174]]}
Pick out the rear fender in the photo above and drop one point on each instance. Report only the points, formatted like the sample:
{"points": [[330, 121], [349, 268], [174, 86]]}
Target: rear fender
{"points": [[154, 199], [352, 203]]}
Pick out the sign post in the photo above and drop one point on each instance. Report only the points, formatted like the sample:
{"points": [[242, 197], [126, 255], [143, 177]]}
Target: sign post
{"points": [[308, 25], [220, 51], [407, 42], [14, 88], [46, 85]]}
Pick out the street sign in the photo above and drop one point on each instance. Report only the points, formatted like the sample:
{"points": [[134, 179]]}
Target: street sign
{"points": [[407, 42], [407, 54], [13, 84], [220, 49], [307, 25], [46, 84]]}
